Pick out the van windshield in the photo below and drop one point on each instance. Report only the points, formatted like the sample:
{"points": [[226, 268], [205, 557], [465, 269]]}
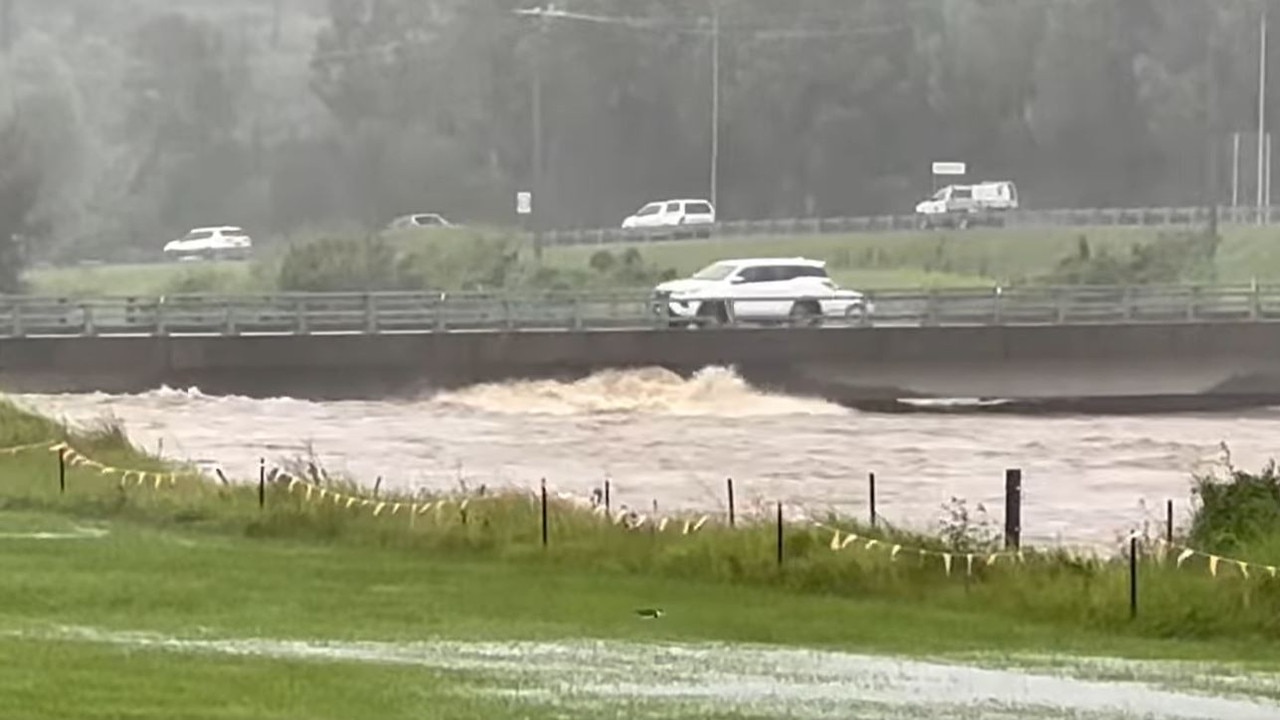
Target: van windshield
{"points": [[718, 271], [651, 209]]}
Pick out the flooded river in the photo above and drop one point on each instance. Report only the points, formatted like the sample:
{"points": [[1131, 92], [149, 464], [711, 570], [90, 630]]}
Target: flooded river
{"points": [[658, 437]]}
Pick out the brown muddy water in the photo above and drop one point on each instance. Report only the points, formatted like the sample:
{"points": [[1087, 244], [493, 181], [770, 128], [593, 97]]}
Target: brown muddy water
{"points": [[656, 436]]}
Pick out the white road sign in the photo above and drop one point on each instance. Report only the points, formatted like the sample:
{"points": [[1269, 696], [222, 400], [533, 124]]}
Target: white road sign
{"points": [[524, 203], [949, 168]]}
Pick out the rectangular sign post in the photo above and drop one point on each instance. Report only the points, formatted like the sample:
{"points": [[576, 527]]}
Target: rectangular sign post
{"points": [[524, 208], [941, 168]]}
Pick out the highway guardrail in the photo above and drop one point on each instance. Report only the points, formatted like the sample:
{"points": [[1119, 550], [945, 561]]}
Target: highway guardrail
{"points": [[407, 312], [1156, 217]]}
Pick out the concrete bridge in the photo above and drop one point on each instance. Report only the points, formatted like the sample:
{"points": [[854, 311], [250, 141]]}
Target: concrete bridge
{"points": [[1126, 348]]}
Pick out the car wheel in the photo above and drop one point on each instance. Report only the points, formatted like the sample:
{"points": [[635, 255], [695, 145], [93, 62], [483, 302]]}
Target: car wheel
{"points": [[712, 315], [806, 314], [856, 314]]}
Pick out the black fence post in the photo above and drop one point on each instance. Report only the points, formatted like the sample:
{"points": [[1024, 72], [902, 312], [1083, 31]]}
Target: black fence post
{"points": [[1013, 508], [732, 518], [1133, 577], [62, 471], [780, 541], [608, 501], [262, 483], [1168, 522], [872, 484], [544, 513]]}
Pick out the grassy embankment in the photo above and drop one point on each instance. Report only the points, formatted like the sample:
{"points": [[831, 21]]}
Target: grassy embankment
{"points": [[199, 559], [972, 258]]}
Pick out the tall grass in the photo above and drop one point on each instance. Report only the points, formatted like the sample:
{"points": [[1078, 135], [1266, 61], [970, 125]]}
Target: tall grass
{"points": [[1044, 587]]}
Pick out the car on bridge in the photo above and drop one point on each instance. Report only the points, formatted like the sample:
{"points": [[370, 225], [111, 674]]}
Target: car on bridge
{"points": [[795, 291]]}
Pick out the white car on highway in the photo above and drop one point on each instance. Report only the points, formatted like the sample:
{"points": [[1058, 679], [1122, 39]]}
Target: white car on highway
{"points": [[763, 290], [673, 215], [225, 242]]}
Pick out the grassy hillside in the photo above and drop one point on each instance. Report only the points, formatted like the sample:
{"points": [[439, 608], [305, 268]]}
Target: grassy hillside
{"points": [[973, 258]]}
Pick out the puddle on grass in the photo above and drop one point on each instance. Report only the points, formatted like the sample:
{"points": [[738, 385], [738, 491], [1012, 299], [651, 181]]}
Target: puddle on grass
{"points": [[689, 680]]}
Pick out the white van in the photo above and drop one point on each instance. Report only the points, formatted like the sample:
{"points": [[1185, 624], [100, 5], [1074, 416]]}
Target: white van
{"points": [[674, 214], [964, 206]]}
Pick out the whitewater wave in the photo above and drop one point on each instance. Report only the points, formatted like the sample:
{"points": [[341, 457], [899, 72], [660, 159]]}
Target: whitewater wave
{"points": [[713, 391]]}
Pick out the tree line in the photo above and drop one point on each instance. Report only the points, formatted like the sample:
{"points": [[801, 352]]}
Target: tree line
{"points": [[147, 117]]}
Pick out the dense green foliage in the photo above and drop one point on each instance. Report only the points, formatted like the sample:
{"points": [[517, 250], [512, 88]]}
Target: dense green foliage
{"points": [[20, 180], [152, 116], [1238, 511], [1169, 259], [464, 261]]}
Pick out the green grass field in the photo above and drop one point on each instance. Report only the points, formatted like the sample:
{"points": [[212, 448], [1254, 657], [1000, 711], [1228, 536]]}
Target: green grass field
{"points": [[190, 600], [973, 258]]}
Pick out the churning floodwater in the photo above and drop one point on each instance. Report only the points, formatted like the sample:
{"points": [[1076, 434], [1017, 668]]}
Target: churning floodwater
{"points": [[657, 436]]}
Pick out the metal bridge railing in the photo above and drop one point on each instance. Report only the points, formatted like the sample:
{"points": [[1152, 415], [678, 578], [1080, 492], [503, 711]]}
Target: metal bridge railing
{"points": [[321, 313]]}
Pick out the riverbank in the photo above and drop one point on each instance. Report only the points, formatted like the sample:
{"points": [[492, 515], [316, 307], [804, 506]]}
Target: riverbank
{"points": [[967, 572], [305, 597]]}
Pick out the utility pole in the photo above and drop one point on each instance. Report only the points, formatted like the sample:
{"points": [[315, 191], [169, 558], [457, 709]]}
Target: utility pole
{"points": [[1211, 122], [535, 159], [715, 104], [1262, 108], [536, 120]]}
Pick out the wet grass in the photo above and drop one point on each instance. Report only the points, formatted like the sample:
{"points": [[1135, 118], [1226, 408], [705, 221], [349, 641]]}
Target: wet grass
{"points": [[204, 560], [54, 680], [871, 261], [483, 564]]}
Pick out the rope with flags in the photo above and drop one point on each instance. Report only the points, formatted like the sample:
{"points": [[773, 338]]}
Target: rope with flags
{"points": [[841, 540]]}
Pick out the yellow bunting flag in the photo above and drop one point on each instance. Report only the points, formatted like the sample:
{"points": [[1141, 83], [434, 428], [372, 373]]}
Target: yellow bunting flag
{"points": [[1244, 568], [893, 554], [835, 540], [309, 490], [969, 564], [871, 544], [378, 510], [848, 541], [396, 508], [701, 522], [946, 561], [425, 509], [1184, 556], [662, 526], [351, 501], [463, 506], [1213, 565]]}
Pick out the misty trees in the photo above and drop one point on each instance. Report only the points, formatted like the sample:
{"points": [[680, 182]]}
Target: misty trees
{"points": [[20, 184], [322, 113]]}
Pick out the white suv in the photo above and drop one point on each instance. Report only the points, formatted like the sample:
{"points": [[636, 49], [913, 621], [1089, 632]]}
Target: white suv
{"points": [[226, 242], [770, 290], [674, 214]]}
